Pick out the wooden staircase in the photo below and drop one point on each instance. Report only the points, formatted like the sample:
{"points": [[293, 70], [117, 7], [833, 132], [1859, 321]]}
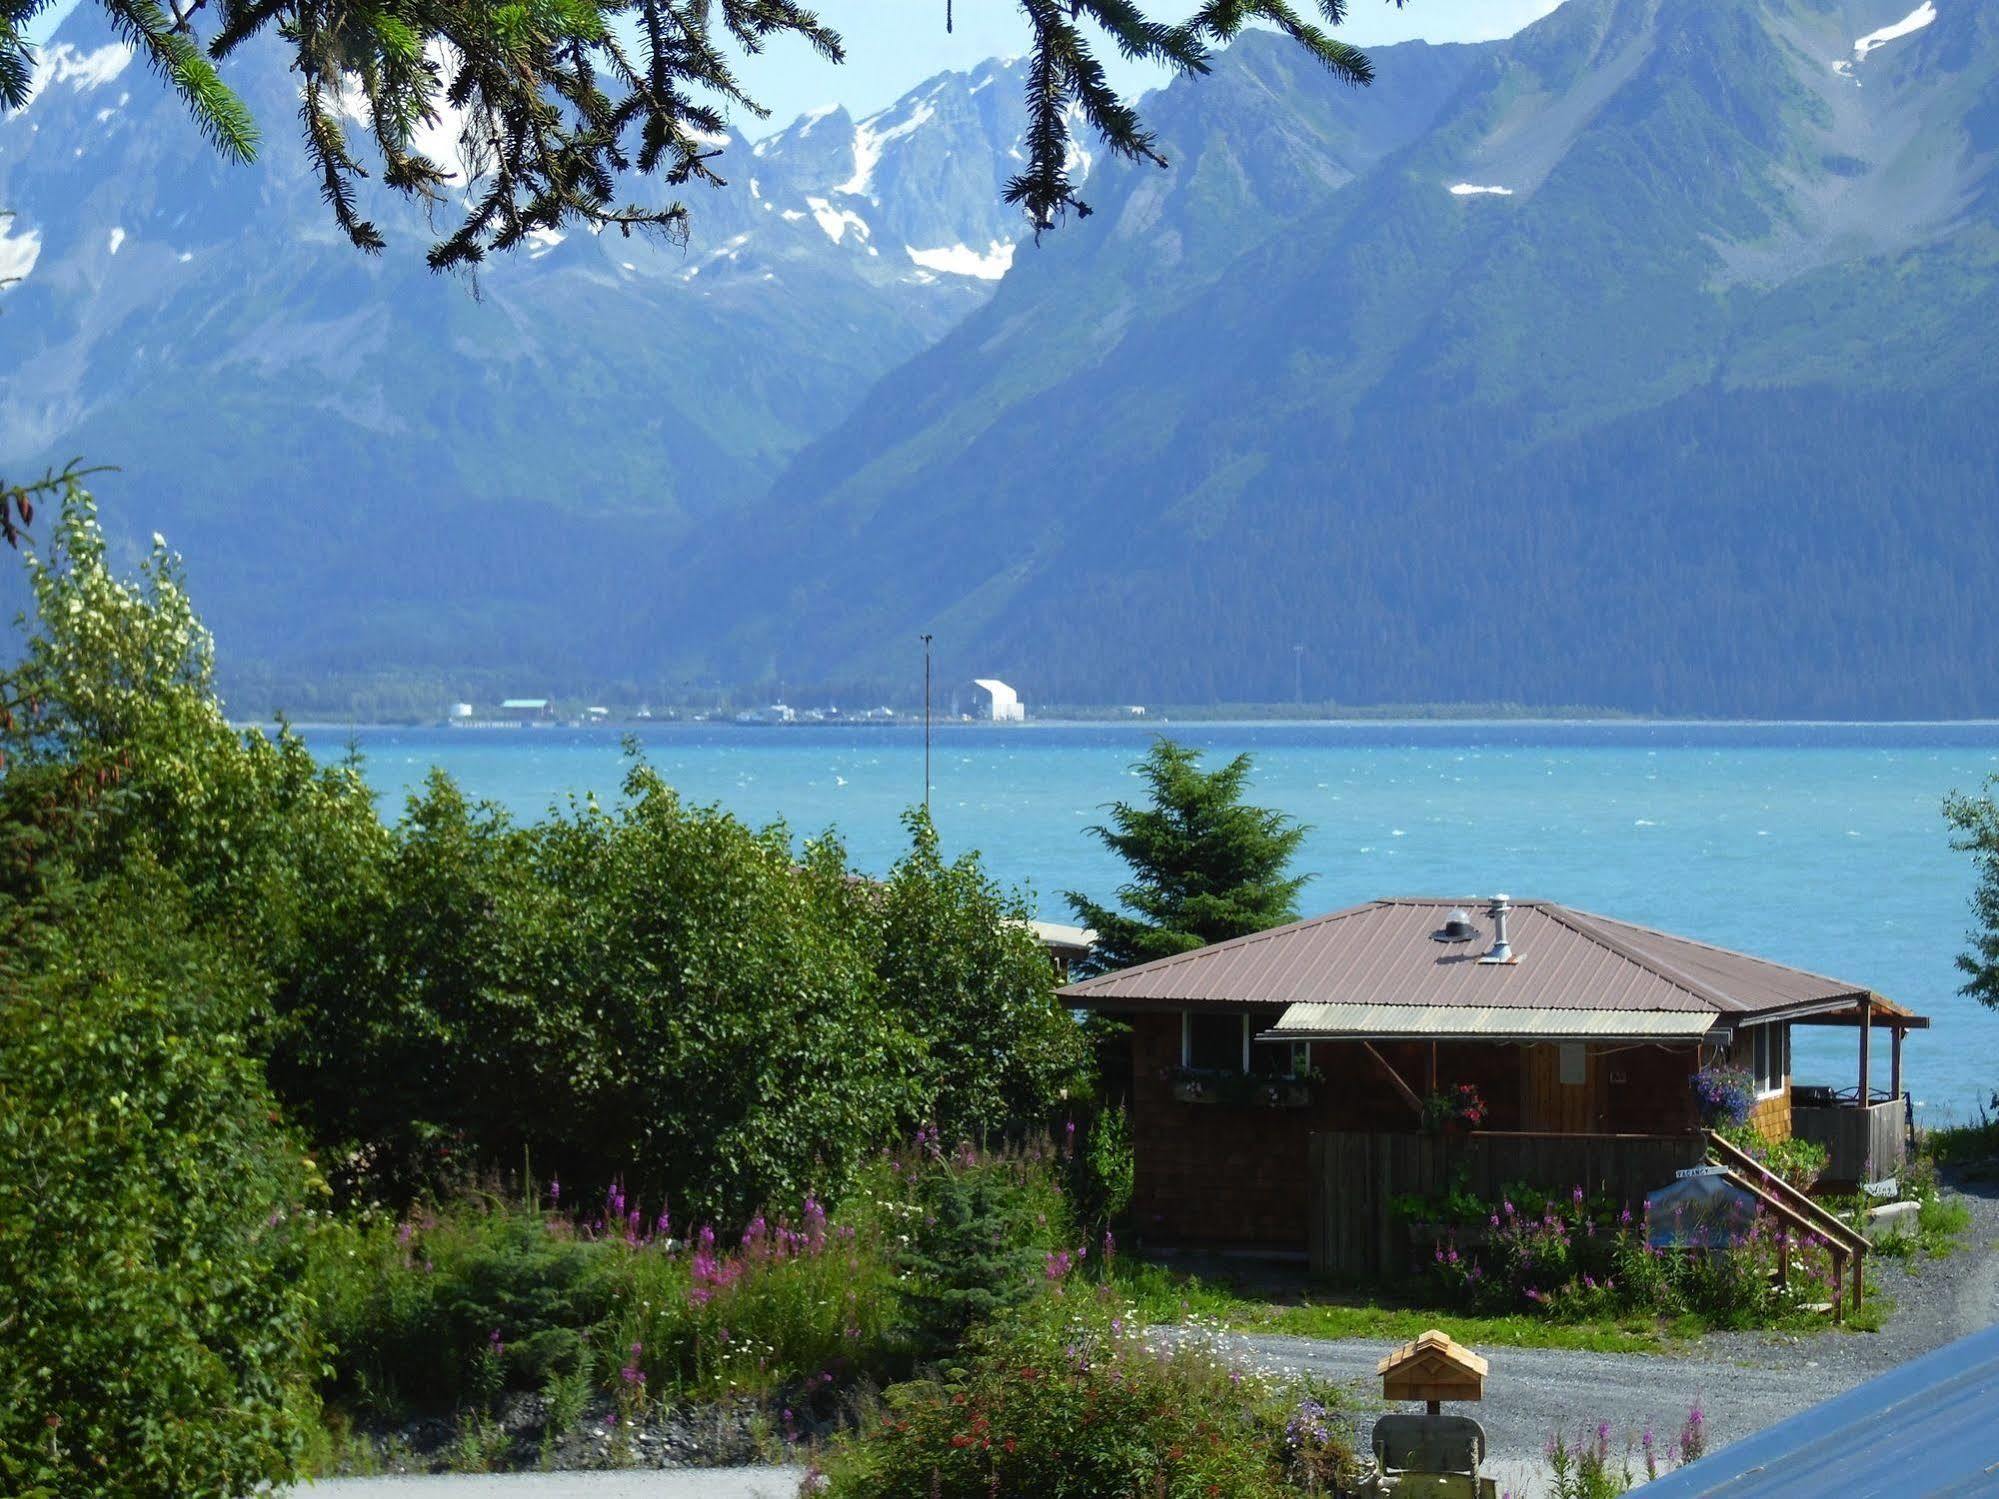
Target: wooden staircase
{"points": [[1798, 1212]]}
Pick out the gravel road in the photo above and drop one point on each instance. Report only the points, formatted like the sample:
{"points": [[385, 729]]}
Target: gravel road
{"points": [[1745, 1381]]}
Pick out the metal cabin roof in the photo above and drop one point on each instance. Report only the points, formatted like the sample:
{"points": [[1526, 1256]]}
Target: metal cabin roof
{"points": [[1382, 954], [1514, 1022], [1925, 1428]]}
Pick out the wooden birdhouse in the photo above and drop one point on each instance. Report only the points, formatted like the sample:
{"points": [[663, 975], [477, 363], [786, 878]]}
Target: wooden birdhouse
{"points": [[1433, 1368]]}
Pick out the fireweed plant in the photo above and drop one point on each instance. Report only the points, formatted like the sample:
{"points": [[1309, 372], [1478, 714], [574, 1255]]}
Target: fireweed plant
{"points": [[1576, 1257], [611, 1303], [1589, 1466]]}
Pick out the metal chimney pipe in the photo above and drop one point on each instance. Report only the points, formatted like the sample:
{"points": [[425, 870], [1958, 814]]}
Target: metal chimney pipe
{"points": [[1502, 950]]}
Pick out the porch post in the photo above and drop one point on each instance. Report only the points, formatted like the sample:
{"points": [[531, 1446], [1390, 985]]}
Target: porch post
{"points": [[1866, 1034], [1895, 1061]]}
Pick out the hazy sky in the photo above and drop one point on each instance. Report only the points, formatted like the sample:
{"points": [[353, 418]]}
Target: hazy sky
{"points": [[895, 44]]}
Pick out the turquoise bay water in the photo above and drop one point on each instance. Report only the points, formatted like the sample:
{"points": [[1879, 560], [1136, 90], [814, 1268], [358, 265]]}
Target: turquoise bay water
{"points": [[1819, 845]]}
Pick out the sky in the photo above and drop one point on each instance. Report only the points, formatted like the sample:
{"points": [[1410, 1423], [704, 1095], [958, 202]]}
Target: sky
{"points": [[893, 45]]}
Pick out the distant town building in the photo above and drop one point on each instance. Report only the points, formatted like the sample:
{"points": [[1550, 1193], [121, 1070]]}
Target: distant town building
{"points": [[995, 702], [597, 715], [1135, 710], [527, 709], [461, 711]]}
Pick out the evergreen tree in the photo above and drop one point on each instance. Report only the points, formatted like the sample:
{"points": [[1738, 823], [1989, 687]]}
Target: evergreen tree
{"points": [[1205, 866], [1975, 821]]}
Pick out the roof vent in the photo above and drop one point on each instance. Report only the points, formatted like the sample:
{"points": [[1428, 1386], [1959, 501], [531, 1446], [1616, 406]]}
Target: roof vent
{"points": [[1502, 950], [1457, 927]]}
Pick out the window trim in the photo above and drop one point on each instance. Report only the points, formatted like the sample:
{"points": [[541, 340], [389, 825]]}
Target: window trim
{"points": [[1775, 1037]]}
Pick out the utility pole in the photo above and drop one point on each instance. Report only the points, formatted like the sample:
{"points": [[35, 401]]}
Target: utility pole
{"points": [[926, 725]]}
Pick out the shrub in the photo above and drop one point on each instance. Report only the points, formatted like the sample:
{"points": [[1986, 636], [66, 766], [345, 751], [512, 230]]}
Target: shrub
{"points": [[445, 1310], [1101, 1172], [1798, 1161], [1071, 1395], [1576, 1258], [414, 1310], [978, 1239], [155, 1336]]}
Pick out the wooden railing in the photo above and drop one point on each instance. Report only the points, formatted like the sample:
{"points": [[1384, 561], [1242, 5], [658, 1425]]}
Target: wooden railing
{"points": [[1788, 1204]]}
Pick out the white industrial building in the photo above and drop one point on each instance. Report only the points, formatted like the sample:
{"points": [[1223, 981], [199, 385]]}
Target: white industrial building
{"points": [[995, 702]]}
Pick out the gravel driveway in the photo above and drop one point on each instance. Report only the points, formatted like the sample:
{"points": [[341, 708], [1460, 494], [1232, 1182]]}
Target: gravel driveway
{"points": [[1745, 1381]]}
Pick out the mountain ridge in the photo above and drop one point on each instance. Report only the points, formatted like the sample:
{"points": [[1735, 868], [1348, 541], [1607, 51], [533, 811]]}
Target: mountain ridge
{"points": [[1526, 289]]}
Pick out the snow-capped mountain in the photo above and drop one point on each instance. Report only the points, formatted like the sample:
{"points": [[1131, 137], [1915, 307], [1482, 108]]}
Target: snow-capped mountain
{"points": [[203, 326]]}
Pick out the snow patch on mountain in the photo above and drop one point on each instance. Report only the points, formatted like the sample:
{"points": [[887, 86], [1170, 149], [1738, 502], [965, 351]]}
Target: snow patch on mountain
{"points": [[869, 139], [963, 260], [1909, 25], [1475, 190], [117, 238], [836, 221], [63, 63], [18, 252]]}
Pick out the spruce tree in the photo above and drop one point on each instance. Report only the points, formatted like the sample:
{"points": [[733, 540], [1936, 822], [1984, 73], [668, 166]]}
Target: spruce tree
{"points": [[1205, 865]]}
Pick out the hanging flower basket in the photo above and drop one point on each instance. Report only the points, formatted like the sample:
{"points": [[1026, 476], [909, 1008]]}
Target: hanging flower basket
{"points": [[1724, 1096], [1455, 1111]]}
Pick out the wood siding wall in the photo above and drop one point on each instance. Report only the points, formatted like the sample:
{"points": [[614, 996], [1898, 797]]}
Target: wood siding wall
{"points": [[1356, 1177], [1220, 1174]]}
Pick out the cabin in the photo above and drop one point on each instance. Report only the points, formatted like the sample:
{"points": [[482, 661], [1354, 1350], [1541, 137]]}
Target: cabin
{"points": [[1263, 1068], [527, 710]]}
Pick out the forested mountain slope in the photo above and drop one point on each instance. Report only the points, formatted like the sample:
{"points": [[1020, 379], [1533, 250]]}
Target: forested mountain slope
{"points": [[1651, 366]]}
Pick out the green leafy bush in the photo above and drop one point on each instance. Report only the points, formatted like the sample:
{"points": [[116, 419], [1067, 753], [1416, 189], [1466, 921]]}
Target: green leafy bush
{"points": [[154, 1336], [1071, 1395], [1102, 1172], [1798, 1161]]}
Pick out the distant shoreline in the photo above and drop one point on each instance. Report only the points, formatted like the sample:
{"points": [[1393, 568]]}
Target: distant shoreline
{"points": [[1160, 721]]}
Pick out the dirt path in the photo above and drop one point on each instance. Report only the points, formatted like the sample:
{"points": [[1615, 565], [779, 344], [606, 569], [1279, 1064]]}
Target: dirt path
{"points": [[1744, 1381]]}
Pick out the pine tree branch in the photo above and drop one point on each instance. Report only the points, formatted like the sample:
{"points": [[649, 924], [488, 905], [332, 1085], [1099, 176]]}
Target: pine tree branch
{"points": [[559, 100]]}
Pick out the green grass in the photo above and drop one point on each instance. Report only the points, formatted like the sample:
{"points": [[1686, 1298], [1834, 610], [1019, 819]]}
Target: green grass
{"points": [[1939, 1232], [1972, 1146], [1166, 1295]]}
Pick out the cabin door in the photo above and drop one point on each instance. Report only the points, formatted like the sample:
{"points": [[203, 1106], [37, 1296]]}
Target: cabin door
{"points": [[1561, 1089]]}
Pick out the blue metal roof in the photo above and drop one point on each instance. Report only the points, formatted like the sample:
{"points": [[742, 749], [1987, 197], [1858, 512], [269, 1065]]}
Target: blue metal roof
{"points": [[1930, 1427]]}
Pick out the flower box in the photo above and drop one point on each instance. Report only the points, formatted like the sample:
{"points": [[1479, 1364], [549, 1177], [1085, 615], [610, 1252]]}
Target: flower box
{"points": [[1240, 1091]]}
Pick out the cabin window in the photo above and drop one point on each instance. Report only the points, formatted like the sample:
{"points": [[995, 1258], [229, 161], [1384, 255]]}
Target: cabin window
{"points": [[1220, 1042], [1215, 1043], [1772, 1065]]}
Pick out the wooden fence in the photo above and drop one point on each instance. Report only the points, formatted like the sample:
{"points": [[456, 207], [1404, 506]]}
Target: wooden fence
{"points": [[1862, 1145], [1353, 1231]]}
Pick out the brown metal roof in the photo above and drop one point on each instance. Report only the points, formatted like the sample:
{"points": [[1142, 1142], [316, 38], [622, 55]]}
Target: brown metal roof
{"points": [[1382, 954]]}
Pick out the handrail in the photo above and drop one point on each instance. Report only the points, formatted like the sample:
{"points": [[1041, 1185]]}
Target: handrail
{"points": [[1833, 1228]]}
